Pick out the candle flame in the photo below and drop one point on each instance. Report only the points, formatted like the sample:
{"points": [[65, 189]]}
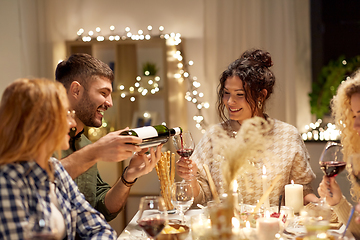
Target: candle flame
{"points": [[267, 214], [264, 170], [292, 181], [235, 186], [235, 222]]}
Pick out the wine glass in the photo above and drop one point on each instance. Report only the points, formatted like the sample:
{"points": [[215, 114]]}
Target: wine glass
{"points": [[331, 160], [184, 145], [153, 215], [182, 197]]}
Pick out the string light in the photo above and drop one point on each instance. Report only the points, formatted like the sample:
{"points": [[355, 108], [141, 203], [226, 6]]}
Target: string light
{"points": [[151, 85], [318, 131]]}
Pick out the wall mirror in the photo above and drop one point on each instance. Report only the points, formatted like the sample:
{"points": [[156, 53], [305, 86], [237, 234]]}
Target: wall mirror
{"points": [[145, 89]]}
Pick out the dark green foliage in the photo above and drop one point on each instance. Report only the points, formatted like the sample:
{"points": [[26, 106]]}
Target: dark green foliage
{"points": [[330, 77], [151, 68]]}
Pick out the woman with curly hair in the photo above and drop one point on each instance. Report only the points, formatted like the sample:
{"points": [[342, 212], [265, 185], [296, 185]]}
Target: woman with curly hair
{"points": [[345, 107], [243, 90]]}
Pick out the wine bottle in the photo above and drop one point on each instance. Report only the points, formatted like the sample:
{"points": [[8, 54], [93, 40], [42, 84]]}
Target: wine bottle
{"points": [[153, 135]]}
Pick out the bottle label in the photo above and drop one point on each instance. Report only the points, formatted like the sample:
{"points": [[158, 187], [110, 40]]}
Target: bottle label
{"points": [[177, 130], [146, 132]]}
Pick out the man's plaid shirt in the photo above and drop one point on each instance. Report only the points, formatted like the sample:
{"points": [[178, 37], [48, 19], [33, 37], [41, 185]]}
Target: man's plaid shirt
{"points": [[24, 190]]}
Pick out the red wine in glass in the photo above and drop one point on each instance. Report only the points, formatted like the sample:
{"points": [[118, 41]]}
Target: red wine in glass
{"points": [[152, 215], [152, 226], [186, 153], [331, 161], [184, 144], [332, 169]]}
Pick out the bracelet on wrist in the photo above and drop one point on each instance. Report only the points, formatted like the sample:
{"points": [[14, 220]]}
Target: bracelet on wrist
{"points": [[126, 183]]}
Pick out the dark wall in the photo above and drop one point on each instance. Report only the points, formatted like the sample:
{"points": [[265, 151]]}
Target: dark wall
{"points": [[335, 31]]}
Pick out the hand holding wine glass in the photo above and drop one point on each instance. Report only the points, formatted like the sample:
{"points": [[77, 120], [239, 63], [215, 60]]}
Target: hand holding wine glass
{"points": [[185, 145], [182, 197], [331, 162], [153, 215]]}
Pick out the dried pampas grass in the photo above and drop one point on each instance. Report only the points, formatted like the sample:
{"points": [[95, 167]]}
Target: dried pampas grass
{"points": [[241, 151]]}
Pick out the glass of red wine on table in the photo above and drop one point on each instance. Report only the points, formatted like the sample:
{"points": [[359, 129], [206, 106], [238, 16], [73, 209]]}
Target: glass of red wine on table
{"points": [[331, 160], [184, 145], [153, 215]]}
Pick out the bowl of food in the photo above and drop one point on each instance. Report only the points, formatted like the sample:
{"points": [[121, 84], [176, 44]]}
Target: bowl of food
{"points": [[174, 231]]}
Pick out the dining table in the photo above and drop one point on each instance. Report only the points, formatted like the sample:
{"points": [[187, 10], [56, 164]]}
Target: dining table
{"points": [[134, 232]]}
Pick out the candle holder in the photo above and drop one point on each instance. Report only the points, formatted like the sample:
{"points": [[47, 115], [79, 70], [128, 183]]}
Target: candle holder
{"points": [[200, 227], [225, 223], [316, 219], [247, 214]]}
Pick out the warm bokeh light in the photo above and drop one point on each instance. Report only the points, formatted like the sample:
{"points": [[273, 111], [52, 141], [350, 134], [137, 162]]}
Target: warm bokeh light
{"points": [[142, 88]]}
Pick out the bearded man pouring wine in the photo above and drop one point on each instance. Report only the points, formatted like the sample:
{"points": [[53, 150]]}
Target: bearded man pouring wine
{"points": [[88, 82]]}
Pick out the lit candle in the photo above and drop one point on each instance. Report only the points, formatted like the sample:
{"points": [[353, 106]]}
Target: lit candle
{"points": [[235, 193], [235, 226], [235, 186], [247, 231], [267, 227], [294, 196], [265, 187]]}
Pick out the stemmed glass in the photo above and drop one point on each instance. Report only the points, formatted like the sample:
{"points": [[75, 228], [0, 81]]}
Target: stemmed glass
{"points": [[153, 215], [184, 145], [331, 160], [182, 197]]}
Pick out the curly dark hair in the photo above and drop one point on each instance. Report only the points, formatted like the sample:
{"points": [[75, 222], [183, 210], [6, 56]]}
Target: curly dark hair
{"points": [[81, 67], [253, 70]]}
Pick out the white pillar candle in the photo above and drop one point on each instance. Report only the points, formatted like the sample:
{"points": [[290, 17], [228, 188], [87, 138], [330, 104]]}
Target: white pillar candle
{"points": [[265, 187], [247, 231], [267, 227], [294, 196]]}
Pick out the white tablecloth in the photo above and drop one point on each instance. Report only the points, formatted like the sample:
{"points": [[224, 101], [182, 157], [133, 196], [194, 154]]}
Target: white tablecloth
{"points": [[133, 231]]}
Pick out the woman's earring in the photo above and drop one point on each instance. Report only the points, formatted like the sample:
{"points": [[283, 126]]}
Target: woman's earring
{"points": [[259, 105]]}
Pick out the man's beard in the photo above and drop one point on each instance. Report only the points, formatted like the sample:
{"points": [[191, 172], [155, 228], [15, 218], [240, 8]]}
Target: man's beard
{"points": [[86, 111]]}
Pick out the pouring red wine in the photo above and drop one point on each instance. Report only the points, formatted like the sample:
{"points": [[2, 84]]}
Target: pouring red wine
{"points": [[331, 160]]}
